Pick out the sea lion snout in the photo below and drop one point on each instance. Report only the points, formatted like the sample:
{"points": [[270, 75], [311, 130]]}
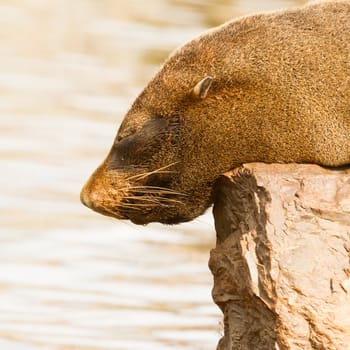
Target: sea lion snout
{"points": [[141, 197], [103, 193], [89, 196], [85, 197]]}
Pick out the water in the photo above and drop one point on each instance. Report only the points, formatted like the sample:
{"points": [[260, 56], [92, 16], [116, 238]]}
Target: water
{"points": [[69, 278]]}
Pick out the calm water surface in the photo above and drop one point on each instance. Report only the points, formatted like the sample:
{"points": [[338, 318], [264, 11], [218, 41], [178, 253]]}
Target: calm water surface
{"points": [[69, 278]]}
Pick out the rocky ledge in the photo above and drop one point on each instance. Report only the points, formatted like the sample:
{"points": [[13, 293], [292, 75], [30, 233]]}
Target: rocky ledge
{"points": [[281, 265]]}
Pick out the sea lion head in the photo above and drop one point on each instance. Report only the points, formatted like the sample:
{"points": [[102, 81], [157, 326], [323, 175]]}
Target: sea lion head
{"points": [[154, 169], [260, 88]]}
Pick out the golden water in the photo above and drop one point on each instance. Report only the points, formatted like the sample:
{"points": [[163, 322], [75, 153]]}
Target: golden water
{"points": [[69, 278]]}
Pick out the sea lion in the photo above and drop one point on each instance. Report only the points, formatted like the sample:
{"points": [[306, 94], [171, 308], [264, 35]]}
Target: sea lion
{"points": [[271, 87]]}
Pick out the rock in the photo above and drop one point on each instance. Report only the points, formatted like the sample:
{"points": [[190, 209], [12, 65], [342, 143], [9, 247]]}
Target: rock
{"points": [[282, 262]]}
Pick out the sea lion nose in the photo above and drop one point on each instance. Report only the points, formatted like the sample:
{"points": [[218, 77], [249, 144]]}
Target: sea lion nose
{"points": [[85, 197], [90, 193]]}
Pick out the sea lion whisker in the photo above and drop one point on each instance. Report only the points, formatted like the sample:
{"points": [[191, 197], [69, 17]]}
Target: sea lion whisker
{"points": [[156, 200], [143, 175], [140, 199], [126, 205], [159, 170], [154, 204], [138, 205], [131, 208], [109, 211], [156, 192], [170, 201], [155, 189]]}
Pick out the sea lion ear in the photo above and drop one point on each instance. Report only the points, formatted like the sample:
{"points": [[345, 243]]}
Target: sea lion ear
{"points": [[202, 88]]}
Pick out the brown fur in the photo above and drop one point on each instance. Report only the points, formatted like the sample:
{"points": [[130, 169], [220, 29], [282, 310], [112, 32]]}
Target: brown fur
{"points": [[280, 92]]}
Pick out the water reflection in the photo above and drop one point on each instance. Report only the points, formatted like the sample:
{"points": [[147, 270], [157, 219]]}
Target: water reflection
{"points": [[68, 277]]}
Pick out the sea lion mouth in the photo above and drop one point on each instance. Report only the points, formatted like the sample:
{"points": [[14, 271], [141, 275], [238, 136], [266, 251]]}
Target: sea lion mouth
{"points": [[140, 198], [141, 205]]}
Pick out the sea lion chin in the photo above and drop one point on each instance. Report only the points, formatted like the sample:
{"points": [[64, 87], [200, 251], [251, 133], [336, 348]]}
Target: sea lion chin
{"points": [[270, 88]]}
